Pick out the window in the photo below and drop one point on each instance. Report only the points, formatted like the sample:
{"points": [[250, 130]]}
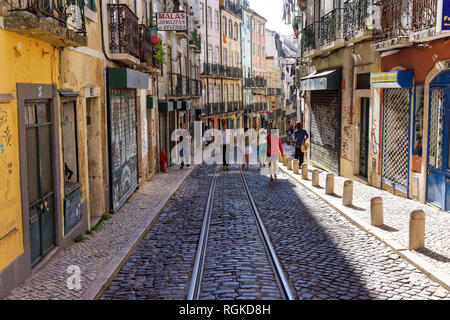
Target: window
{"points": [[262, 52], [217, 21], [217, 93], [231, 29], [231, 58], [225, 57], [236, 31], [231, 92], [217, 56], [253, 48], [237, 60], [262, 29], [257, 28], [224, 26], [210, 53], [225, 93], [202, 13], [237, 93], [259, 50], [210, 16], [145, 12], [91, 4]]}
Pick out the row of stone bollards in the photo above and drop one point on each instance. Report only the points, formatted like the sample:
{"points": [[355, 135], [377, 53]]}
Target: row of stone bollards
{"points": [[417, 217]]}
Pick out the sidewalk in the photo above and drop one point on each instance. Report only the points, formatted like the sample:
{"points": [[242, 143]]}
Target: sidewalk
{"points": [[434, 260], [106, 249]]}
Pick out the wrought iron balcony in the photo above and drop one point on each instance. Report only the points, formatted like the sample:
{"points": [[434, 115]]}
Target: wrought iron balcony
{"points": [[258, 83], [330, 27], [60, 23], [123, 30], [355, 14], [424, 14], [232, 7], [309, 36], [393, 19]]}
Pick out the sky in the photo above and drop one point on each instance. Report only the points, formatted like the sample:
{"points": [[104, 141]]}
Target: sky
{"points": [[272, 10]]}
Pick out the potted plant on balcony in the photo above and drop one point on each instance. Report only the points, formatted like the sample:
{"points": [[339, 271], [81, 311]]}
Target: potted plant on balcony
{"points": [[159, 55]]}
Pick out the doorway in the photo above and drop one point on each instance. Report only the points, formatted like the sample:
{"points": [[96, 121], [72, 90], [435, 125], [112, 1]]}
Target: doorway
{"points": [[41, 189], [438, 165]]}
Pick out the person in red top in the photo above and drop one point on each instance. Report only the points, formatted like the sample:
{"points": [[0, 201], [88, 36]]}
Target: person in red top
{"points": [[274, 148]]}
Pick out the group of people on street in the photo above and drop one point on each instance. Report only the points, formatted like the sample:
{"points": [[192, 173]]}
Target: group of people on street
{"points": [[268, 142]]}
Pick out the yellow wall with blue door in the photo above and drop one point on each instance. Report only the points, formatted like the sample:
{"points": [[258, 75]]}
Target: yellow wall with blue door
{"points": [[22, 60]]}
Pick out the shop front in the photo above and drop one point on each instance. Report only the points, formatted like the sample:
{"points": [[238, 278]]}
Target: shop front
{"points": [[395, 128], [324, 117], [122, 132]]}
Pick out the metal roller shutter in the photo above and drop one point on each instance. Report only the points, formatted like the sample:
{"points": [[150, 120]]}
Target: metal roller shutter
{"points": [[325, 129], [395, 137]]}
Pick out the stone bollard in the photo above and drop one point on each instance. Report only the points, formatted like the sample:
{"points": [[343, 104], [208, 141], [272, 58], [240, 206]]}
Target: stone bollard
{"points": [[347, 199], [315, 178], [284, 159], [304, 171], [289, 163], [296, 167], [329, 186], [376, 211], [417, 230]]}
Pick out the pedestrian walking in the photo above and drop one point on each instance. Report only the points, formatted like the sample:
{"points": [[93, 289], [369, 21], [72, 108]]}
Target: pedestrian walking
{"points": [[274, 148], [247, 149], [262, 148], [227, 143], [300, 137]]}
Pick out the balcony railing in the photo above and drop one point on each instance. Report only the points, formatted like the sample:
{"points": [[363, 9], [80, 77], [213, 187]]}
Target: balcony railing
{"points": [[330, 27], [68, 13], [393, 19], [309, 36], [232, 7], [258, 83], [424, 13], [123, 30], [355, 14]]}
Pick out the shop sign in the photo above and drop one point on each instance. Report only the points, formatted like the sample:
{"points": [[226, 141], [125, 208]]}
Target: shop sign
{"points": [[395, 79], [446, 15], [171, 21]]}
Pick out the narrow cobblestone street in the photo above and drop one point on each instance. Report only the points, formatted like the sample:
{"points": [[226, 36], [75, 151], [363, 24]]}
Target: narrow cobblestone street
{"points": [[323, 255]]}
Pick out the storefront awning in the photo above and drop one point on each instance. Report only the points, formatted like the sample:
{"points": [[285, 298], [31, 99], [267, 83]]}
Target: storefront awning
{"points": [[126, 78], [165, 106], [322, 80], [394, 79]]}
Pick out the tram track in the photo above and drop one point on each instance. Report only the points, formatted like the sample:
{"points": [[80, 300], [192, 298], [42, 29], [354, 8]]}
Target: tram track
{"points": [[195, 285]]}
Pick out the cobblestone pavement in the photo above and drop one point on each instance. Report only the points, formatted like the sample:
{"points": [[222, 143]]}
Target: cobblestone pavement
{"points": [[324, 255], [99, 249], [396, 218], [236, 264], [161, 265]]}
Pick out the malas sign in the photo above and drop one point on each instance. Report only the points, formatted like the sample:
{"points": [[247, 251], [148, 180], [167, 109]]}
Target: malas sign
{"points": [[171, 21]]}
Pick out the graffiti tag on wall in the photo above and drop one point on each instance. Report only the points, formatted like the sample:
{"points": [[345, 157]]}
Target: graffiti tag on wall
{"points": [[8, 174]]}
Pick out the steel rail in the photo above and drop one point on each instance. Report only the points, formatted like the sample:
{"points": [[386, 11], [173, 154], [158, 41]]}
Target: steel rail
{"points": [[199, 262], [280, 276]]}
